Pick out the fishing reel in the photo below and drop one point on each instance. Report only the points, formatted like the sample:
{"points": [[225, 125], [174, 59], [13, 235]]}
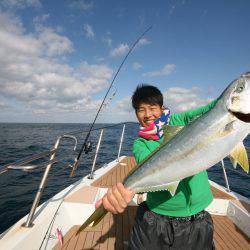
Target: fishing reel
{"points": [[88, 147]]}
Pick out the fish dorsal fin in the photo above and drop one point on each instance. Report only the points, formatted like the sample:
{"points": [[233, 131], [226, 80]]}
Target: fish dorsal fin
{"points": [[171, 131], [239, 156]]}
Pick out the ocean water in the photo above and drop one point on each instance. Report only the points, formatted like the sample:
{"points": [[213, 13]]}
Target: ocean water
{"points": [[18, 188]]}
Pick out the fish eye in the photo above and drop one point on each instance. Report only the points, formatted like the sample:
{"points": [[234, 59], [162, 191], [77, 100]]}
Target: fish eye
{"points": [[240, 87]]}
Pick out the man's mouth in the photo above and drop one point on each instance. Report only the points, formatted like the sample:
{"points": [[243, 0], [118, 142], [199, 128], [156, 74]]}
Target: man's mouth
{"points": [[241, 116], [148, 122]]}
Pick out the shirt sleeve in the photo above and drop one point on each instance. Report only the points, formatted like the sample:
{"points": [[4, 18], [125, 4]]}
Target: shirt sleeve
{"points": [[183, 118], [140, 151]]}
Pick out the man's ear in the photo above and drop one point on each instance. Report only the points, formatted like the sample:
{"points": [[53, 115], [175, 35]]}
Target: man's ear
{"points": [[163, 107]]}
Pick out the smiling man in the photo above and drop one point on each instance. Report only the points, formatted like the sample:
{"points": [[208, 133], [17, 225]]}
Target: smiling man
{"points": [[164, 221]]}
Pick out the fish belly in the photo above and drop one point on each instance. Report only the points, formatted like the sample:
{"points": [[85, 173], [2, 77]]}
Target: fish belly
{"points": [[177, 161]]}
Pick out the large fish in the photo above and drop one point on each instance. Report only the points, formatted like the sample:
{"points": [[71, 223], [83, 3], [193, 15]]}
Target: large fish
{"points": [[201, 144]]}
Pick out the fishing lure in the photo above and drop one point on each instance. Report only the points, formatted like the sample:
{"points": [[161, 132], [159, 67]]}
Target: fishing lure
{"points": [[59, 236]]}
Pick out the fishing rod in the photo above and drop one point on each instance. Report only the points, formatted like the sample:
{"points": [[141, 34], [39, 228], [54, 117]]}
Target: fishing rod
{"points": [[84, 145]]}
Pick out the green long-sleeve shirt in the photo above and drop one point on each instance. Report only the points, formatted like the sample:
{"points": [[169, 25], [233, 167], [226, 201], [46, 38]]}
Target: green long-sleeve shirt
{"points": [[193, 193]]}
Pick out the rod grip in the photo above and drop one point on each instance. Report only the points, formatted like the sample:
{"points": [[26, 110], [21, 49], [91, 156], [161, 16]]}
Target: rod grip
{"points": [[72, 173]]}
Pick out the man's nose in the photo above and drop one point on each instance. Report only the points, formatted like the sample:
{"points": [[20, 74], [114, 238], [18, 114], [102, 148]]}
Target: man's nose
{"points": [[148, 113]]}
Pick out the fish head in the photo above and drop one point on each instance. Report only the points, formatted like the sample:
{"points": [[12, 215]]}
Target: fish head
{"points": [[238, 98]]}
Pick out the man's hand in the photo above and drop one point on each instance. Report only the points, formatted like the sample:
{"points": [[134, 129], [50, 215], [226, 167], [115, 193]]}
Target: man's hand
{"points": [[116, 199]]}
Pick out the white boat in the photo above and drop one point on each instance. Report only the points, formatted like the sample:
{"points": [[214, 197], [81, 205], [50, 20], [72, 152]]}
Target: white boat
{"points": [[66, 211]]}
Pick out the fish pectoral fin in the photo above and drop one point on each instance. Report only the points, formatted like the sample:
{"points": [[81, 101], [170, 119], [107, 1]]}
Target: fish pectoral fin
{"points": [[239, 156], [170, 132], [172, 187]]}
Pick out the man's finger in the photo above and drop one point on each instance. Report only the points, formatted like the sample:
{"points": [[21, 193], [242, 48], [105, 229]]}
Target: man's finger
{"points": [[127, 194], [98, 203], [108, 206], [113, 200], [122, 202]]}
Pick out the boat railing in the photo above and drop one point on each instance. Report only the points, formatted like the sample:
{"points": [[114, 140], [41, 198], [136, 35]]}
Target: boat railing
{"points": [[26, 164], [98, 147], [91, 175], [44, 178], [20, 163], [225, 169], [225, 175]]}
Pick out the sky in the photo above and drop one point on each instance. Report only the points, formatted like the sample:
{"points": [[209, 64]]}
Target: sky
{"points": [[57, 58]]}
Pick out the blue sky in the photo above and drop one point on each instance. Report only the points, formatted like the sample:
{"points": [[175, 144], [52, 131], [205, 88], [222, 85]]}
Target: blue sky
{"points": [[58, 57]]}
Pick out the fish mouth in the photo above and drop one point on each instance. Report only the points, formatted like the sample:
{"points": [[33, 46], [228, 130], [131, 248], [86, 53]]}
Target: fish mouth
{"points": [[241, 116]]}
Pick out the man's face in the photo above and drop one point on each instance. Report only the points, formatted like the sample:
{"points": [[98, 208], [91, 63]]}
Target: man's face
{"points": [[148, 113]]}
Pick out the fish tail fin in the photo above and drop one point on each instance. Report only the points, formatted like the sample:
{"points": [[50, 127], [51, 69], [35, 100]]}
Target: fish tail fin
{"points": [[239, 156], [95, 217]]}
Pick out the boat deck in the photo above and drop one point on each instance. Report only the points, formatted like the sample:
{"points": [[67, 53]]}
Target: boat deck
{"points": [[112, 232]]}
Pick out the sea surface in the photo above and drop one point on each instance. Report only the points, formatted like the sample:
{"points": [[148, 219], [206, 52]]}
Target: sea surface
{"points": [[18, 188]]}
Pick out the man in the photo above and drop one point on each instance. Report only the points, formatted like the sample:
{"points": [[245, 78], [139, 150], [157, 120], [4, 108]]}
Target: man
{"points": [[164, 221]]}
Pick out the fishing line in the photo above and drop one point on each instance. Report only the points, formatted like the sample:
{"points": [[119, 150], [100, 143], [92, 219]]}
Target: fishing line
{"points": [[91, 128], [103, 101], [54, 218]]}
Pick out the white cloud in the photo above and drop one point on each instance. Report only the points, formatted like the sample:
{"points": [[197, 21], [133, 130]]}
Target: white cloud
{"points": [[54, 43], [107, 40], [100, 59], [15, 26], [182, 99], [166, 70], [143, 41], [178, 99], [96, 70], [23, 45], [38, 20], [32, 78], [47, 41], [88, 31], [83, 5], [4, 105], [20, 4], [136, 66], [120, 50], [122, 109], [125, 104]]}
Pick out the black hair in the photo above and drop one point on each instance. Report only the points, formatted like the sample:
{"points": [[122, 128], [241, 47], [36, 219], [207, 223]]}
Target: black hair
{"points": [[145, 93]]}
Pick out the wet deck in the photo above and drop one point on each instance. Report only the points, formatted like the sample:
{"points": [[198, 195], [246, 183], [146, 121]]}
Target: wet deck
{"points": [[112, 232]]}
